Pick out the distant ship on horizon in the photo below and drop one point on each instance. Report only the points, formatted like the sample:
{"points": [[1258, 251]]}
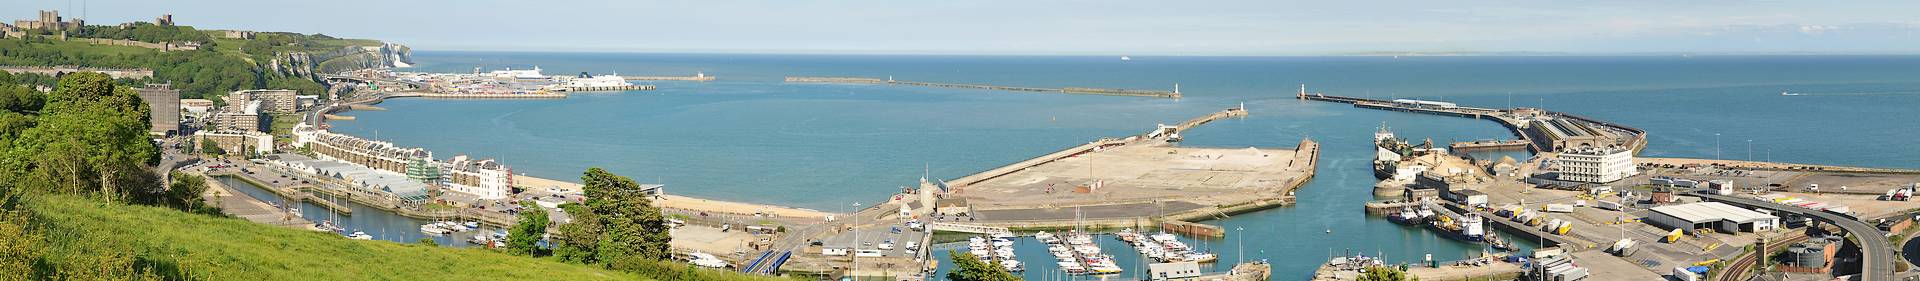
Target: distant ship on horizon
{"points": [[1786, 93], [1126, 58]]}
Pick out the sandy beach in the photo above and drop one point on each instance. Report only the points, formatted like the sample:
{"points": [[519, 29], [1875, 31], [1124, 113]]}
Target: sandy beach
{"points": [[687, 203]]}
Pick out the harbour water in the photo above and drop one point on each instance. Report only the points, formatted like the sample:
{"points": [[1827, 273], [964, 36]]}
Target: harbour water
{"points": [[749, 137], [380, 224]]}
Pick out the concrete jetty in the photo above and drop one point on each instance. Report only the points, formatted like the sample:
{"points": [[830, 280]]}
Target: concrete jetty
{"points": [[246, 207], [533, 95], [1541, 130], [1175, 93], [1137, 181]]}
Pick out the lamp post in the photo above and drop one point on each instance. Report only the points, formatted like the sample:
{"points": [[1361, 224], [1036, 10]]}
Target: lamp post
{"points": [[1716, 146], [1749, 150], [856, 240], [1240, 243]]}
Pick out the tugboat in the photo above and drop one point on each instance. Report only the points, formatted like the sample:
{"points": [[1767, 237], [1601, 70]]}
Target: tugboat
{"points": [[1412, 216]]}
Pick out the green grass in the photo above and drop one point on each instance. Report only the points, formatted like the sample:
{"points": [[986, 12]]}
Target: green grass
{"points": [[232, 249], [282, 126], [90, 48]]}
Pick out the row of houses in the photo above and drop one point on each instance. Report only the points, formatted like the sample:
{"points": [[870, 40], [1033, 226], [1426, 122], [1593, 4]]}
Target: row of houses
{"points": [[485, 179]]}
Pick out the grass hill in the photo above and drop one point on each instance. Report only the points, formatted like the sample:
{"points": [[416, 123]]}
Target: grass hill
{"points": [[77, 234], [78, 231]]}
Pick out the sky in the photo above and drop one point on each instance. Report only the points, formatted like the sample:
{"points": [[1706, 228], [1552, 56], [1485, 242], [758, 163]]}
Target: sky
{"points": [[1075, 27]]}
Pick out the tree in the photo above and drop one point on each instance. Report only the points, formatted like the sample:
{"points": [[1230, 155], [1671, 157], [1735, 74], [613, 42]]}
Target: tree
{"points": [[633, 230], [89, 138], [1385, 273], [618, 226], [967, 267], [524, 238], [211, 147], [184, 194], [579, 240]]}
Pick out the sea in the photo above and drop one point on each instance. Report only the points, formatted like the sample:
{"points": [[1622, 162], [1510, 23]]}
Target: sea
{"points": [[749, 136]]}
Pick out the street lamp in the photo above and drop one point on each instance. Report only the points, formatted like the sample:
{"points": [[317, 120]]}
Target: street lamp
{"points": [[856, 240], [1749, 150], [1241, 244], [1716, 146]]}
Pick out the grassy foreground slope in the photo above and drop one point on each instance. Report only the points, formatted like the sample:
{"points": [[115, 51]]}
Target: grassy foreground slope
{"points": [[174, 243]]}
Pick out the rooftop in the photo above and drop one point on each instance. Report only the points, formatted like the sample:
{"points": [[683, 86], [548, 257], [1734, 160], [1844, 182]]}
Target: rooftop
{"points": [[1711, 211]]}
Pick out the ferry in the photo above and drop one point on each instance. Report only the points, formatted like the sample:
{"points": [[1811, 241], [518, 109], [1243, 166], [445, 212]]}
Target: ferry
{"points": [[589, 82]]}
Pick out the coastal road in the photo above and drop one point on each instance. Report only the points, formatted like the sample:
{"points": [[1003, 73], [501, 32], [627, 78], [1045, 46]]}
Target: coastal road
{"points": [[1877, 256]]}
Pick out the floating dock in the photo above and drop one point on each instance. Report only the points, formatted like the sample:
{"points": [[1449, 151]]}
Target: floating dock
{"points": [[1175, 93]]}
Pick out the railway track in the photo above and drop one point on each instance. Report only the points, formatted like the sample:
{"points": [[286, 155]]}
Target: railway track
{"points": [[1741, 267]]}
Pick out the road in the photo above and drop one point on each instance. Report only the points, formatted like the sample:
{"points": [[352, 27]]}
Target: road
{"points": [[1877, 256]]}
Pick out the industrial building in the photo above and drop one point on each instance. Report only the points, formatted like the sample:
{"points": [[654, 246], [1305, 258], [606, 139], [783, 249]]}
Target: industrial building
{"points": [[1712, 215], [1596, 164]]}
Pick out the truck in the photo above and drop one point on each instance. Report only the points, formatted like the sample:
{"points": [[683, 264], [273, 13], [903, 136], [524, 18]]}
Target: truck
{"points": [[1609, 205], [1558, 208], [1681, 273]]}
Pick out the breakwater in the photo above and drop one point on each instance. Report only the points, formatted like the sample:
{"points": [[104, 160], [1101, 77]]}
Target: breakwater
{"points": [[702, 77], [1525, 123], [1175, 93]]}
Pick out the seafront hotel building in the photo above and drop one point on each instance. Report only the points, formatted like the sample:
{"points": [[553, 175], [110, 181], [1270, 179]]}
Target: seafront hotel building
{"points": [[484, 179]]}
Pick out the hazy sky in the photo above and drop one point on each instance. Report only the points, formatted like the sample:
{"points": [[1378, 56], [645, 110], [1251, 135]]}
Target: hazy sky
{"points": [[1136, 27]]}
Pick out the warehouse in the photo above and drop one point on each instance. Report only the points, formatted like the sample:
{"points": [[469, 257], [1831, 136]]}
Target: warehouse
{"points": [[1712, 215]]}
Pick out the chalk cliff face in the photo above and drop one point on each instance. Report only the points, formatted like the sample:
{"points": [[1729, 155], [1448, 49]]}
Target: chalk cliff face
{"points": [[387, 55], [395, 55]]}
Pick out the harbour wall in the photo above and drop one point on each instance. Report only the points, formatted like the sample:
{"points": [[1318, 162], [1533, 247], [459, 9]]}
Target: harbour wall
{"points": [[1175, 94]]}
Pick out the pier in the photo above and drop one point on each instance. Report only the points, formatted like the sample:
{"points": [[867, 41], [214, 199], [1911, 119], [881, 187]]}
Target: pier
{"points": [[533, 95], [1540, 130], [628, 87], [1175, 93]]}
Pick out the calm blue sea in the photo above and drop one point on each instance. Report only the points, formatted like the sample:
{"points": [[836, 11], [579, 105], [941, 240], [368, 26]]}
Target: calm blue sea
{"points": [[750, 137]]}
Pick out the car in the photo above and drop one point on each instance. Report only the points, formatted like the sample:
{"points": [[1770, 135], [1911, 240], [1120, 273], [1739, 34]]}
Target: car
{"points": [[896, 230], [913, 246], [816, 243]]}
